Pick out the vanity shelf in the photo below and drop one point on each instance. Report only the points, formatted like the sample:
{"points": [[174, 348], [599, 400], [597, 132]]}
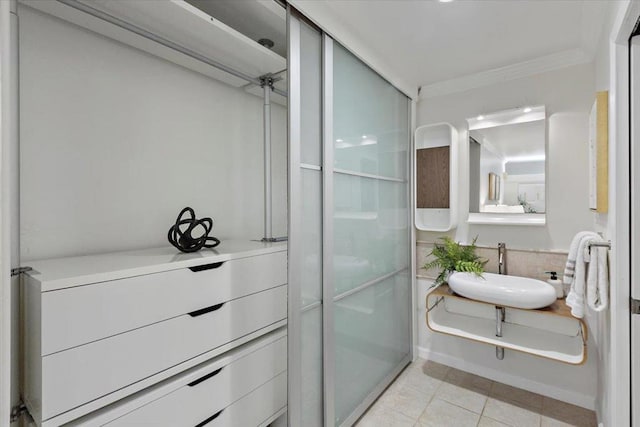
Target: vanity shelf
{"points": [[550, 332]]}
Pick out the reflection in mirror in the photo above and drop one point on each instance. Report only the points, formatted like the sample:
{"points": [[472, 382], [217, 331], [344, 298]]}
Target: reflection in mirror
{"points": [[494, 187], [507, 162]]}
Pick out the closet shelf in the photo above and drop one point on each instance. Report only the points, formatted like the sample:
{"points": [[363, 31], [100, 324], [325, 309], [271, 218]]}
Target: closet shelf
{"points": [[179, 23]]}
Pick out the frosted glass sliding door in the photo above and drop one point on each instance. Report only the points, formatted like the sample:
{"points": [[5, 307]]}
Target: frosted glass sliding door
{"points": [[371, 235], [305, 223], [349, 235]]}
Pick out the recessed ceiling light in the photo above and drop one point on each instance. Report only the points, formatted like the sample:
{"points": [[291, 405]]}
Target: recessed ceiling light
{"points": [[338, 140], [527, 109], [445, 1], [480, 117], [364, 136]]}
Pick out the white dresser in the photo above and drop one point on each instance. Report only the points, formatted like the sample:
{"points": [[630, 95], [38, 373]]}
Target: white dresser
{"points": [[157, 337]]}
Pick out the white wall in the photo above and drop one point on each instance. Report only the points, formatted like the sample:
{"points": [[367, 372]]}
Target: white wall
{"points": [[115, 142], [567, 95]]}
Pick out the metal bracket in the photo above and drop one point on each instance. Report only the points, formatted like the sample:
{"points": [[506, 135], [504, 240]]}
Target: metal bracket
{"points": [[20, 270], [500, 316], [634, 306], [274, 239], [268, 80], [17, 411], [584, 339], [438, 301]]}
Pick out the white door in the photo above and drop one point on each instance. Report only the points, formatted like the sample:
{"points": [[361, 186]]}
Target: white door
{"points": [[635, 226]]}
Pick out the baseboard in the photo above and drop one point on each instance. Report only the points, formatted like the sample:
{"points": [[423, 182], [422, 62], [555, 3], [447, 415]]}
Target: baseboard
{"points": [[578, 399]]}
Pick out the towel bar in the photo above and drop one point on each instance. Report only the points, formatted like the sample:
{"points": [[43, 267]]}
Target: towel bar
{"points": [[600, 244]]}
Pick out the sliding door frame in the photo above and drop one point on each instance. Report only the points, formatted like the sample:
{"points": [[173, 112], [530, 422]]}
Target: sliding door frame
{"points": [[328, 318], [294, 246]]}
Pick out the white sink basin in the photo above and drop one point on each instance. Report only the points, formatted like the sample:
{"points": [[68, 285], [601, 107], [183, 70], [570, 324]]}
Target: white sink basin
{"points": [[503, 290]]}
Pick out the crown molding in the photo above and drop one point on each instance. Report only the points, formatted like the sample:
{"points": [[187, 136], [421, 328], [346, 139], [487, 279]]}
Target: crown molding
{"points": [[543, 64]]}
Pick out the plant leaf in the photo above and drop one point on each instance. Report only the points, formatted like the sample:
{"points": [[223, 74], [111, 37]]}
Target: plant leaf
{"points": [[451, 256]]}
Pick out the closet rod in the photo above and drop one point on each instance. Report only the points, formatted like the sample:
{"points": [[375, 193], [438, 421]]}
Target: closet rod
{"points": [[267, 86], [161, 40]]}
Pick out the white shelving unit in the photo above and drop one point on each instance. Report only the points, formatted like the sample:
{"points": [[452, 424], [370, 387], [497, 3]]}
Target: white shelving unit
{"points": [[551, 332], [181, 25]]}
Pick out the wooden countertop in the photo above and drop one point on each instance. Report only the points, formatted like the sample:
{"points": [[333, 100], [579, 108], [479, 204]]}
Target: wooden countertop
{"points": [[558, 308]]}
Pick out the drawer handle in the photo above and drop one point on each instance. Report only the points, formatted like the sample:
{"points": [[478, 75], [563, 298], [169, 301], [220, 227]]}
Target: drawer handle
{"points": [[206, 310], [211, 418], [206, 267], [204, 378]]}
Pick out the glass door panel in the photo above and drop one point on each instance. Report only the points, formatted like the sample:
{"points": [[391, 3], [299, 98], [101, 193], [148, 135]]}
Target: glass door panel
{"points": [[305, 330], [311, 278], [372, 338], [371, 239], [371, 234], [370, 118]]}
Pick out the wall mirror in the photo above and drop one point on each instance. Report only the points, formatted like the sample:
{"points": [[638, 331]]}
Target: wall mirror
{"points": [[507, 163]]}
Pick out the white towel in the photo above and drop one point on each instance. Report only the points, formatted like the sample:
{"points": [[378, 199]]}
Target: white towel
{"points": [[570, 267], [576, 296], [598, 276]]}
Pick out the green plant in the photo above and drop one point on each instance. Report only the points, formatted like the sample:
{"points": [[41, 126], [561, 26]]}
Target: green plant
{"points": [[451, 256], [525, 205]]}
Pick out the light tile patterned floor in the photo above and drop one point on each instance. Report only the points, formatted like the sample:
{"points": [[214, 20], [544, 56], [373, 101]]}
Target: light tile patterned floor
{"points": [[428, 394]]}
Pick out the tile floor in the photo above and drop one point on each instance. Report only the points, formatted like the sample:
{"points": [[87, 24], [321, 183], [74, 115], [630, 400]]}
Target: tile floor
{"points": [[428, 394]]}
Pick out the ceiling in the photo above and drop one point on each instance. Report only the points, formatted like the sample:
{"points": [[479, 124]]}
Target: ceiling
{"points": [[431, 41], [427, 42]]}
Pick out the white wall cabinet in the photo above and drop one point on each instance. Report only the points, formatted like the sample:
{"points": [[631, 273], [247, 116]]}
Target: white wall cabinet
{"points": [[436, 177], [102, 328]]}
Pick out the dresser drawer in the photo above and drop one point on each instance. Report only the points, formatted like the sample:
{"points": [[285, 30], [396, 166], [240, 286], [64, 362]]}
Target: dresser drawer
{"points": [[83, 314], [76, 376], [255, 409], [191, 404], [252, 410]]}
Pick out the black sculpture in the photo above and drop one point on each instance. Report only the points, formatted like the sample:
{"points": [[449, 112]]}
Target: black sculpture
{"points": [[184, 240]]}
